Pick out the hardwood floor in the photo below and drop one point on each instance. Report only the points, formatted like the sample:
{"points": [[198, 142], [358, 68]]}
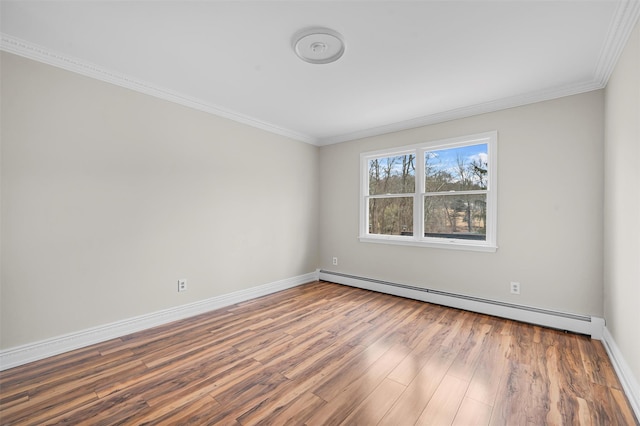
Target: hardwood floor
{"points": [[325, 354]]}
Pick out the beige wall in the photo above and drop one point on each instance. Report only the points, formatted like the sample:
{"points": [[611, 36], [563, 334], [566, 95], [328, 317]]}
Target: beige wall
{"points": [[622, 204], [109, 196], [550, 192]]}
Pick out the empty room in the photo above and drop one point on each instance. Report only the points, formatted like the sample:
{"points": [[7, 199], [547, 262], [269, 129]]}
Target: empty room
{"points": [[320, 212]]}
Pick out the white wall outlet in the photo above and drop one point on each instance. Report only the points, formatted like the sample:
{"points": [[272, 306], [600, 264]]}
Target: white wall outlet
{"points": [[515, 288], [182, 285], [335, 261]]}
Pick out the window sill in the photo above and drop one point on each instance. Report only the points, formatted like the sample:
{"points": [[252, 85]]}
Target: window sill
{"points": [[445, 244]]}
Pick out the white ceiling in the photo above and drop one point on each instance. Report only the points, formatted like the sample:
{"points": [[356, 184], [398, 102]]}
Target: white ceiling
{"points": [[406, 63]]}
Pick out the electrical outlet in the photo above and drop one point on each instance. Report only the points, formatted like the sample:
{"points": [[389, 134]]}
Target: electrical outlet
{"points": [[515, 288], [182, 285], [335, 261]]}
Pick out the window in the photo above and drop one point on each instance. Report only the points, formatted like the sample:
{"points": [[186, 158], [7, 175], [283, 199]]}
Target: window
{"points": [[438, 194]]}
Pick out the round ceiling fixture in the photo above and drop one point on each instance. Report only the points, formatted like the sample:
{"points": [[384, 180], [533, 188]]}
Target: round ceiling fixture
{"points": [[318, 45]]}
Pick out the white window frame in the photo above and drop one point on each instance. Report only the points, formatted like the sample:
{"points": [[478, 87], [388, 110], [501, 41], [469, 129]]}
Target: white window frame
{"points": [[418, 238]]}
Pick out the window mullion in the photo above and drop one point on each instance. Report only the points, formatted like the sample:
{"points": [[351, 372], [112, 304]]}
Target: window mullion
{"points": [[470, 192], [401, 195], [462, 211]]}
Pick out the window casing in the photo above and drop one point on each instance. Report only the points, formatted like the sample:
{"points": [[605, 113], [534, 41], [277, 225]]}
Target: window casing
{"points": [[437, 194]]}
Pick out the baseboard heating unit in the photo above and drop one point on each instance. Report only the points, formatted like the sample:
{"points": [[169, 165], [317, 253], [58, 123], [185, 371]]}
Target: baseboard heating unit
{"points": [[581, 324]]}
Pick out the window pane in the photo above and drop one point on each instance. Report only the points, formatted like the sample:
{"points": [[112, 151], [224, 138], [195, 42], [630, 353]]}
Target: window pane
{"points": [[391, 216], [392, 175], [456, 169], [456, 216]]}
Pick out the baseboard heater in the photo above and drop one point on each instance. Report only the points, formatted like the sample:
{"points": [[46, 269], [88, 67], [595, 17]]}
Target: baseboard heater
{"points": [[581, 324]]}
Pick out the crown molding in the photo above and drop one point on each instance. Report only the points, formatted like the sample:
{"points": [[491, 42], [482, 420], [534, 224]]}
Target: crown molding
{"points": [[625, 18], [464, 112], [42, 54]]}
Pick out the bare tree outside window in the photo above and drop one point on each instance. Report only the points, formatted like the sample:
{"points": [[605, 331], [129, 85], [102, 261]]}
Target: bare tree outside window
{"points": [[434, 194], [455, 201], [390, 213]]}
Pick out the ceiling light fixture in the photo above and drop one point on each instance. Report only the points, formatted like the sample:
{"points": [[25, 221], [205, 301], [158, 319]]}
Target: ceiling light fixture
{"points": [[318, 45]]}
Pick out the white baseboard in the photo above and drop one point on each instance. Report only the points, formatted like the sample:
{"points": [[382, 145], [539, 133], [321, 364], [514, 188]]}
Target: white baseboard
{"points": [[627, 379], [593, 326], [20, 355], [589, 325]]}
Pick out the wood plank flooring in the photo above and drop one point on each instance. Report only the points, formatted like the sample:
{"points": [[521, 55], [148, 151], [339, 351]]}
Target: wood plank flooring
{"points": [[325, 354]]}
